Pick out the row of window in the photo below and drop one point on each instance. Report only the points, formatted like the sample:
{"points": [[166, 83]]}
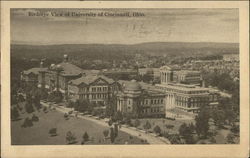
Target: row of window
{"points": [[99, 89], [181, 99], [152, 101], [151, 110], [99, 96]]}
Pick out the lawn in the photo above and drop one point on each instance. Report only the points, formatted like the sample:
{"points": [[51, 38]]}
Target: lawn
{"points": [[38, 133], [162, 122]]}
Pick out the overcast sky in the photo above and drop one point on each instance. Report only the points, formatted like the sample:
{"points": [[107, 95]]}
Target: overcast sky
{"points": [[158, 25]]}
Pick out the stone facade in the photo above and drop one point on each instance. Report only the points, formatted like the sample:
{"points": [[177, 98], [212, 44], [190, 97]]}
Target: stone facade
{"points": [[135, 100], [94, 88]]}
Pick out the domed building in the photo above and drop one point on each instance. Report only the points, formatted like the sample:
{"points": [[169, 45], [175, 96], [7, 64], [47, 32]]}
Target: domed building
{"points": [[138, 100]]}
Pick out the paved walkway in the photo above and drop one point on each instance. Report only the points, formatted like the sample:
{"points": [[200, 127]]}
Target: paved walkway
{"points": [[151, 139]]}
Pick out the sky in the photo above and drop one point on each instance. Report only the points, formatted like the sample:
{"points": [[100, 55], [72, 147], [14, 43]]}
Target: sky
{"points": [[157, 25]]}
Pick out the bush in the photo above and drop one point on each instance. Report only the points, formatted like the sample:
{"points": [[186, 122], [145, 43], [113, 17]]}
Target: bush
{"points": [[53, 132], [35, 118], [147, 126], [137, 123], [70, 138], [112, 135], [27, 123], [45, 109], [157, 129], [85, 137], [170, 126], [106, 133], [55, 96], [230, 138], [29, 108]]}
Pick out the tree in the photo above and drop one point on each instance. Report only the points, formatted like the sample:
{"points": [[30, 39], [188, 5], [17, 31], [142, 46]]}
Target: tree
{"points": [[118, 116], [235, 129], [127, 120], [34, 118], [53, 132], [191, 127], [112, 135], [116, 129], [157, 129], [202, 125], [29, 108], [14, 113], [85, 137], [27, 123], [219, 117], [186, 132], [70, 104], [147, 126], [111, 106], [106, 133], [21, 98], [137, 123], [182, 129], [230, 138], [175, 139], [70, 138]]}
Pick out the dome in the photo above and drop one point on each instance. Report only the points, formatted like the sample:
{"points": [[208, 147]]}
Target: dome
{"points": [[132, 86]]}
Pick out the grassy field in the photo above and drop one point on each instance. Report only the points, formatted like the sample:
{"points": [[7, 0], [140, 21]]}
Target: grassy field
{"points": [[162, 122], [38, 133]]}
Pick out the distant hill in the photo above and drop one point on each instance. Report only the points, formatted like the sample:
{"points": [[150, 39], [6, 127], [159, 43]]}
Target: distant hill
{"points": [[113, 51]]}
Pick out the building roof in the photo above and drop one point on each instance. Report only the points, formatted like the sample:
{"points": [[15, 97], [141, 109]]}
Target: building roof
{"points": [[70, 69], [34, 70], [170, 67], [91, 72], [90, 79], [185, 89], [187, 72], [132, 86]]}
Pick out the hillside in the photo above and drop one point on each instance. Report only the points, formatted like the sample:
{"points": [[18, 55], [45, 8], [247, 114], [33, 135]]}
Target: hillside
{"points": [[102, 51]]}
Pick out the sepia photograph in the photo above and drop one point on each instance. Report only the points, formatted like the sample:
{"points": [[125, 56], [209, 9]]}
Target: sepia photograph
{"points": [[124, 76], [89, 77]]}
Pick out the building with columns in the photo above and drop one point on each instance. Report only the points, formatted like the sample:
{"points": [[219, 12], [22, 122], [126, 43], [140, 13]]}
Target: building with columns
{"points": [[173, 75], [184, 97], [139, 101]]}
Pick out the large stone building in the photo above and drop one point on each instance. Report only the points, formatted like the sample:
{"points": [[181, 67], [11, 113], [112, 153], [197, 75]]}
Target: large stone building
{"points": [[31, 76], [184, 97], [170, 75], [56, 77], [94, 88], [139, 101], [178, 95]]}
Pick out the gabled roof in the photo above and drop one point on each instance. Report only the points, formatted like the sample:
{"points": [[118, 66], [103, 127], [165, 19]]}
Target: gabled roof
{"points": [[90, 79]]}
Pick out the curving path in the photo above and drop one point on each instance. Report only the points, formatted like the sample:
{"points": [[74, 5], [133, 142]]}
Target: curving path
{"points": [[151, 139]]}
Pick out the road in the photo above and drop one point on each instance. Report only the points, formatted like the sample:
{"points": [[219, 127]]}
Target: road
{"points": [[151, 139]]}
